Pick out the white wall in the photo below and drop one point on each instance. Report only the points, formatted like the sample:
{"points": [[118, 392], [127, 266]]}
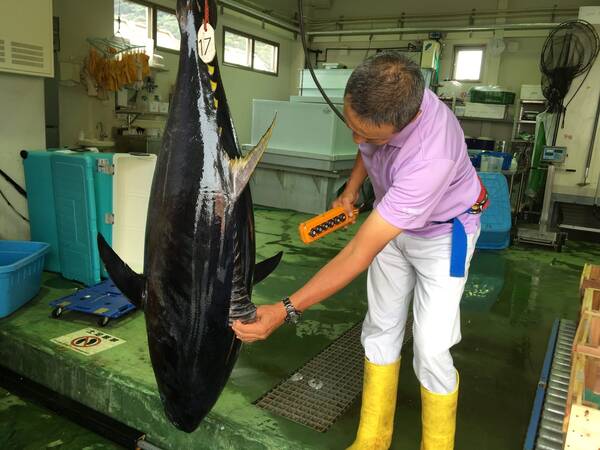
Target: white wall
{"points": [[576, 136], [21, 126], [80, 19]]}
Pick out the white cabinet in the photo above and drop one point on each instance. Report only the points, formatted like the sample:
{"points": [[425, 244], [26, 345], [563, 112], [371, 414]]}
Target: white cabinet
{"points": [[26, 37]]}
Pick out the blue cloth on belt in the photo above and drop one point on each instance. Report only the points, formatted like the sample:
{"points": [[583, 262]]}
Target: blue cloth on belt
{"points": [[458, 249]]}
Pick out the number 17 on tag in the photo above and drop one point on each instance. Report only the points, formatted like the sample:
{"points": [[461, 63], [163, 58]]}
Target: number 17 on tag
{"points": [[206, 43]]}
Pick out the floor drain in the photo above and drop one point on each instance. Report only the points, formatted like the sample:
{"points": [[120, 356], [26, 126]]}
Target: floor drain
{"points": [[318, 393]]}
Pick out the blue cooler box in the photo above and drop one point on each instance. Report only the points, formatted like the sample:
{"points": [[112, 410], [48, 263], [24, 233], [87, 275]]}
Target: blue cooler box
{"points": [[21, 266], [40, 203], [496, 219], [74, 195]]}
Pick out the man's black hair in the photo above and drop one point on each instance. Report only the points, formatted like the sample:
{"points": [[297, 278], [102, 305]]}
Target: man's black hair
{"points": [[386, 88]]}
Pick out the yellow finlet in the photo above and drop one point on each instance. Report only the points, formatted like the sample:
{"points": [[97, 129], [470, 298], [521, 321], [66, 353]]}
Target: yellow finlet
{"points": [[213, 85], [211, 69], [216, 103]]}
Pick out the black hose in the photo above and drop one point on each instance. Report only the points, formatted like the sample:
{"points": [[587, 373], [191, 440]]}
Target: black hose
{"points": [[12, 207], [13, 183], [309, 64]]}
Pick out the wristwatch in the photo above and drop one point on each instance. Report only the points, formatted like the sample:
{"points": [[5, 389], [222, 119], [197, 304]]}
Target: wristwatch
{"points": [[292, 314]]}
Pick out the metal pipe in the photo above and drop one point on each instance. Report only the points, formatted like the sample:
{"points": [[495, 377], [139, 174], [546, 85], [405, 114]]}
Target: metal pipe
{"points": [[496, 13], [251, 12], [469, 29], [545, 217], [591, 148]]}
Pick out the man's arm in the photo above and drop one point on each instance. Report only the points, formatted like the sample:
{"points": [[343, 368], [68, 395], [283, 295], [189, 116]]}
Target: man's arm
{"points": [[370, 239], [355, 181]]}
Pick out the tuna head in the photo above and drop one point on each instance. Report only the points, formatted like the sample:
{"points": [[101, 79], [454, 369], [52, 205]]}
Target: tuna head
{"points": [[199, 254]]}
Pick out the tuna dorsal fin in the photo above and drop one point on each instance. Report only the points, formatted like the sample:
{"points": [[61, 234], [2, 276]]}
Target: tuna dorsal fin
{"points": [[242, 168], [264, 268], [129, 283]]}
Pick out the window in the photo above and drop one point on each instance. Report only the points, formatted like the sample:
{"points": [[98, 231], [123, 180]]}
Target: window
{"points": [[468, 62], [250, 52], [135, 20], [167, 30], [140, 22]]}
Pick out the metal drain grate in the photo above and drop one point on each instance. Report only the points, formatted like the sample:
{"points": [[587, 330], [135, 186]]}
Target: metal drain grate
{"points": [[317, 394]]}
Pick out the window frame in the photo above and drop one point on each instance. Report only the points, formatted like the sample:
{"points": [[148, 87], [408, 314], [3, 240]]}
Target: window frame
{"points": [[458, 48], [153, 23], [253, 39]]}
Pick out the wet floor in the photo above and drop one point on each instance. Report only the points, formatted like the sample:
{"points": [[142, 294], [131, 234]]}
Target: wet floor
{"points": [[511, 301]]}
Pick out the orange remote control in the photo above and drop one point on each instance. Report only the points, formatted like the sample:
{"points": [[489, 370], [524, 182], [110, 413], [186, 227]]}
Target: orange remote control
{"points": [[325, 223]]}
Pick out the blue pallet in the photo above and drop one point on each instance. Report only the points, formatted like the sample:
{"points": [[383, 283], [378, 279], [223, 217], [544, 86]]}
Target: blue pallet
{"points": [[40, 203], [21, 266], [496, 219], [76, 217], [103, 300]]}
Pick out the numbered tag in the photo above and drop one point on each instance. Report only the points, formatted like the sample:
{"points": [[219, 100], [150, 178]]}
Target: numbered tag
{"points": [[206, 43]]}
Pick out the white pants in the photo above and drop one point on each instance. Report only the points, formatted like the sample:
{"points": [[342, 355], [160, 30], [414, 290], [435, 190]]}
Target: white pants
{"points": [[418, 269]]}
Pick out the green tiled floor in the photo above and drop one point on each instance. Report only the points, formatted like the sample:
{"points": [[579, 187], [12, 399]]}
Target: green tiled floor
{"points": [[510, 303]]}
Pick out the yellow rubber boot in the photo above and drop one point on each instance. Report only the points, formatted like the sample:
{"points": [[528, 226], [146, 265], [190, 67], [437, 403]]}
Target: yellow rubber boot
{"points": [[378, 407], [438, 416]]}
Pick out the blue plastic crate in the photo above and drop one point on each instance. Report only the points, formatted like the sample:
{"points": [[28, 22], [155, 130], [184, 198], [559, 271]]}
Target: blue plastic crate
{"points": [[21, 266], [496, 219]]}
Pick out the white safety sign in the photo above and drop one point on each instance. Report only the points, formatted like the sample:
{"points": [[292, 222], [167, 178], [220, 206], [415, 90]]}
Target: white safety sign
{"points": [[88, 341]]}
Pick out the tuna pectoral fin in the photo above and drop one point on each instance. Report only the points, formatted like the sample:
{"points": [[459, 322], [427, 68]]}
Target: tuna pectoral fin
{"points": [[264, 268], [242, 168], [129, 283]]}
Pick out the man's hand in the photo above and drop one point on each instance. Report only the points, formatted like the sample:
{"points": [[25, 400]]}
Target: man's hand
{"points": [[268, 319], [347, 200]]}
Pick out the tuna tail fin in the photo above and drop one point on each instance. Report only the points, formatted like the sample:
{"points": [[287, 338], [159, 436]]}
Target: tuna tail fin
{"points": [[242, 168], [264, 268], [129, 283]]}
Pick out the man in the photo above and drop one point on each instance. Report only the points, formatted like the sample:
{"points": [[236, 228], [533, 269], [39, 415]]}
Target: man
{"points": [[417, 244]]}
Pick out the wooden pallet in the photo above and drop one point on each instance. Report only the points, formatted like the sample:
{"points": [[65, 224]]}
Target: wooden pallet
{"points": [[584, 386], [590, 278]]}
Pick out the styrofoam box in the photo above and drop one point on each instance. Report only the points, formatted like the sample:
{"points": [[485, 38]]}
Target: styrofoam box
{"points": [[333, 82], [131, 193], [311, 128], [485, 111], [531, 92]]}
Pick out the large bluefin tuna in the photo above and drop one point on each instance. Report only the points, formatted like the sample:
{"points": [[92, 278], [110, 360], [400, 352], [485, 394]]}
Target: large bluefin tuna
{"points": [[200, 250]]}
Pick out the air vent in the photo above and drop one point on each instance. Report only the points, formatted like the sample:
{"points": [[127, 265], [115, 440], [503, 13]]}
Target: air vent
{"points": [[27, 54], [2, 51]]}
